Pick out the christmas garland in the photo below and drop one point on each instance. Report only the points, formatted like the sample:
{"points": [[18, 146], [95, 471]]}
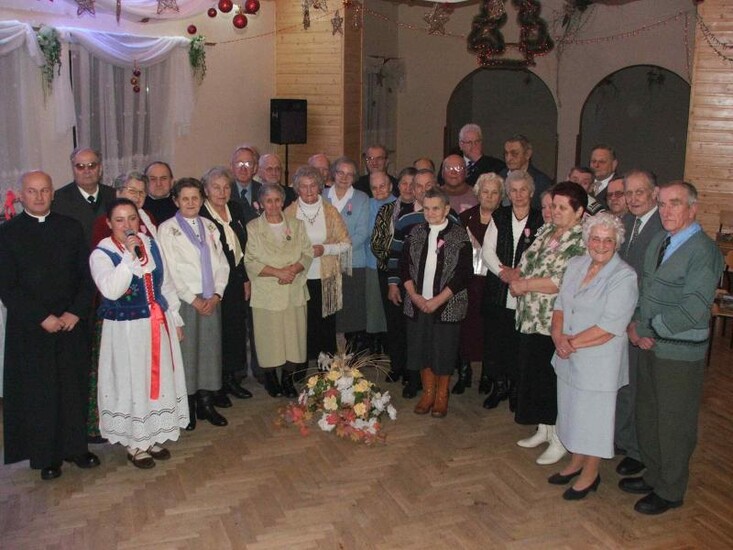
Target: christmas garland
{"points": [[197, 57]]}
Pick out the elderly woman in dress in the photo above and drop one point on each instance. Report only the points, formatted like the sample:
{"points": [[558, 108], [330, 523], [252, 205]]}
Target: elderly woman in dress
{"points": [[199, 269], [228, 218], [142, 385], [435, 267], [277, 259], [595, 304], [331, 244], [489, 189], [353, 205], [512, 230], [541, 270]]}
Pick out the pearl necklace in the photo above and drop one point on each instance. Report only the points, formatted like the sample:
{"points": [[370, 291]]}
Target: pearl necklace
{"points": [[310, 220]]}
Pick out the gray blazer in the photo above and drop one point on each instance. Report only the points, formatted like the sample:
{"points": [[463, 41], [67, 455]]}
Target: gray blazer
{"points": [[70, 202], [607, 301]]}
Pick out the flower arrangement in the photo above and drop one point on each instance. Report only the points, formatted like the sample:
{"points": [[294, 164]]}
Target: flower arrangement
{"points": [[50, 45], [197, 57], [344, 401]]}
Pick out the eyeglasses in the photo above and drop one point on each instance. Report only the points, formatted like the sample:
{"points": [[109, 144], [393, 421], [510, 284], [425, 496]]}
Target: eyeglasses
{"points": [[457, 169], [374, 159], [134, 192], [639, 193], [471, 143], [88, 166], [615, 194], [343, 174], [244, 164]]}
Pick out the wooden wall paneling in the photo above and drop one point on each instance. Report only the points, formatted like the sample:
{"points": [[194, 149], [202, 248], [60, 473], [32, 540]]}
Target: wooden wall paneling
{"points": [[325, 69], [709, 157]]}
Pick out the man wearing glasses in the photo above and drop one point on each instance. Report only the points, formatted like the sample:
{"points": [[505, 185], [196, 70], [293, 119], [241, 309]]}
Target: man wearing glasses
{"points": [[470, 140], [85, 198], [377, 160], [244, 165], [271, 171], [460, 194], [518, 156]]}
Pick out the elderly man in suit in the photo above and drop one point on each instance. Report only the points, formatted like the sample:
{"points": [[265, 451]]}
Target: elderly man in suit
{"points": [[85, 198], [641, 224], [244, 165], [671, 326], [159, 201], [603, 162], [518, 156], [471, 142]]}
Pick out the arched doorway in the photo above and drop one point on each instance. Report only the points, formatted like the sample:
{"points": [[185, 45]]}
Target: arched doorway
{"points": [[505, 102], [642, 112]]}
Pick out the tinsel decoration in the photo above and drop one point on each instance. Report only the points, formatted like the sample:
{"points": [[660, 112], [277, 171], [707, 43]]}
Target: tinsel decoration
{"points": [[167, 6], [533, 36], [357, 13], [197, 57], [495, 8], [485, 38], [85, 6], [437, 18], [337, 24], [48, 41]]}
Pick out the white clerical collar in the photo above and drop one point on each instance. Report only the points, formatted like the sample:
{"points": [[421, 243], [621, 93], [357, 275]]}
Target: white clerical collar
{"points": [[40, 219]]}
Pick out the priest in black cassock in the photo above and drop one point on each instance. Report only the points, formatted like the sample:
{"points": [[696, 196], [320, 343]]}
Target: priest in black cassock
{"points": [[46, 286]]}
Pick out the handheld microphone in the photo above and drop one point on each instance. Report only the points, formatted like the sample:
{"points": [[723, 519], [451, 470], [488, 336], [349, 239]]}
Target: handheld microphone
{"points": [[138, 253]]}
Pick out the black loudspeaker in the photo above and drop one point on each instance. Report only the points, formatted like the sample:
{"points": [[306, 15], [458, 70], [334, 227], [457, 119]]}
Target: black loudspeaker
{"points": [[288, 121]]}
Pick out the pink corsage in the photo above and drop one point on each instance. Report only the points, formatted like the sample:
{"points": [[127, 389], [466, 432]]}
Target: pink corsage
{"points": [[441, 242], [527, 234], [348, 209]]}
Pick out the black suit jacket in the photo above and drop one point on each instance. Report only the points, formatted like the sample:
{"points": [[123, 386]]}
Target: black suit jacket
{"points": [[237, 273], [633, 252], [248, 211], [484, 165], [70, 202]]}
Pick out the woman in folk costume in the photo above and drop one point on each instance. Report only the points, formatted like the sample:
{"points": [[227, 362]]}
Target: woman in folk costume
{"points": [[331, 243], [142, 386], [200, 271]]}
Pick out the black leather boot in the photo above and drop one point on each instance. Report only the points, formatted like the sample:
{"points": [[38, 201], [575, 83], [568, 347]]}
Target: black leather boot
{"points": [[272, 385], [413, 384], [288, 386], [465, 374], [205, 408], [191, 413], [499, 392], [486, 382], [232, 387]]}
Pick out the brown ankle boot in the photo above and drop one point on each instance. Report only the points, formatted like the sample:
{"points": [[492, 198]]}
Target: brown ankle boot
{"points": [[428, 389], [440, 407]]}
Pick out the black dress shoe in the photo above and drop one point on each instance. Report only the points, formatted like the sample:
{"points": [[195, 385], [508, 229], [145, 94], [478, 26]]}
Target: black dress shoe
{"points": [[653, 504], [288, 387], [499, 392], [85, 460], [635, 486], [629, 467], [205, 409], [573, 494], [465, 375], [272, 385], [559, 479], [51, 472], [233, 388], [220, 399]]}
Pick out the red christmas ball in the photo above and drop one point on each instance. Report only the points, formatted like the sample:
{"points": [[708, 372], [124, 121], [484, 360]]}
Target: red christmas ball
{"points": [[240, 21], [136, 72], [191, 29], [225, 6], [136, 89], [252, 6], [212, 12], [134, 81]]}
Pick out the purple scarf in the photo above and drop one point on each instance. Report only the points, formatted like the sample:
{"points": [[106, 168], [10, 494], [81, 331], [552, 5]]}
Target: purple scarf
{"points": [[207, 273]]}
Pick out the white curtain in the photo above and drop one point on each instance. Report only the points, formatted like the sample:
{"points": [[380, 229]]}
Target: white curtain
{"points": [[23, 110], [384, 78], [129, 128]]}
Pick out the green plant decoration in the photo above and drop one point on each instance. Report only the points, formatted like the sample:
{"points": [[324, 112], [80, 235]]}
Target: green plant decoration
{"points": [[48, 41], [197, 57]]}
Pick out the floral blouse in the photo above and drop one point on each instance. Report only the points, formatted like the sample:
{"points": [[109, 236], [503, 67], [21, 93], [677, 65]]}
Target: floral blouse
{"points": [[542, 259]]}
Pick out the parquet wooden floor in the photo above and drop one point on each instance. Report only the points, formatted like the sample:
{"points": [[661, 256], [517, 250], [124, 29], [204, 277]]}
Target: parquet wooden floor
{"points": [[459, 482]]}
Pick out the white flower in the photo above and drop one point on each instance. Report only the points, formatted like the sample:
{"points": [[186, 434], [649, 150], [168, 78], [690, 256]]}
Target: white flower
{"points": [[324, 361], [392, 412], [303, 397], [347, 396], [344, 383], [368, 426], [324, 425], [380, 401]]}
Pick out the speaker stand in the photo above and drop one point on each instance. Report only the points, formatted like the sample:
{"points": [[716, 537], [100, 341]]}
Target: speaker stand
{"points": [[287, 171]]}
